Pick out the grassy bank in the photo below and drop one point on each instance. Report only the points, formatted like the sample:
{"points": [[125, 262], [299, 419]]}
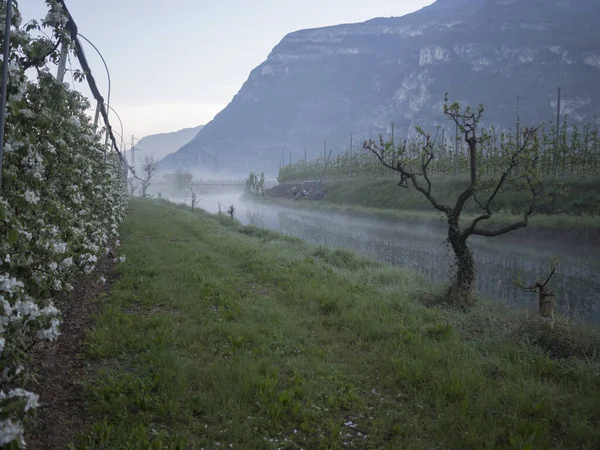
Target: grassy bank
{"points": [[572, 204], [218, 335], [569, 197]]}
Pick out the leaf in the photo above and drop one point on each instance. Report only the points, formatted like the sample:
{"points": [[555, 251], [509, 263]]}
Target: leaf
{"points": [[13, 236]]}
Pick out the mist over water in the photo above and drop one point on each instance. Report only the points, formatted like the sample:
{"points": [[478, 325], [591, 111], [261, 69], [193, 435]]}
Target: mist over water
{"points": [[499, 261]]}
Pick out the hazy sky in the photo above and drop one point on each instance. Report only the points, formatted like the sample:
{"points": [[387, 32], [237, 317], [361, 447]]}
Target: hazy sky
{"points": [[176, 63]]}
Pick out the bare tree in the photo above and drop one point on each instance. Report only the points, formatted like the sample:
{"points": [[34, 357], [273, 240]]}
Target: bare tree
{"points": [[132, 185], [231, 211], [194, 198], [545, 297], [518, 167], [149, 171]]}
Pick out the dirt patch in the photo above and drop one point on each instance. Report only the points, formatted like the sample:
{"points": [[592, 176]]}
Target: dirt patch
{"points": [[283, 190], [60, 366]]}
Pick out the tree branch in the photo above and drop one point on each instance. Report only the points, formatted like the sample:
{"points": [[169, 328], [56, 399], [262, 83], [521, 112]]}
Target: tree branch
{"points": [[37, 61], [500, 231], [549, 277], [532, 288], [405, 175], [529, 133]]}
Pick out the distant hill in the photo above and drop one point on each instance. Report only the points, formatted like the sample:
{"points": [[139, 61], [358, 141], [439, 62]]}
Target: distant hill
{"points": [[160, 145], [326, 83]]}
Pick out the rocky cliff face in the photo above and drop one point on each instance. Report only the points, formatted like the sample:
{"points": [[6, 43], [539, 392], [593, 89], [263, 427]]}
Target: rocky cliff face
{"points": [[324, 84]]}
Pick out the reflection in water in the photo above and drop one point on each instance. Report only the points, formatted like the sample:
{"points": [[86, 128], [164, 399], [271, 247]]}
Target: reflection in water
{"points": [[256, 217], [499, 261]]}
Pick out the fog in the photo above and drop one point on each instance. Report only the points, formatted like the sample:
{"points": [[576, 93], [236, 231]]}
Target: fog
{"points": [[422, 248]]}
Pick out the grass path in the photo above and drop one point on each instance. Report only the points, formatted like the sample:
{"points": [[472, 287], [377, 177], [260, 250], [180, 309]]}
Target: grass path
{"points": [[223, 336]]}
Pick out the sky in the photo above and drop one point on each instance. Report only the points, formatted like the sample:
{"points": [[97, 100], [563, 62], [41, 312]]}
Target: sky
{"points": [[176, 63]]}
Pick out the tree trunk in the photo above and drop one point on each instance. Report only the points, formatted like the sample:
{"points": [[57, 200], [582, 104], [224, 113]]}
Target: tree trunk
{"points": [[460, 292], [546, 303]]}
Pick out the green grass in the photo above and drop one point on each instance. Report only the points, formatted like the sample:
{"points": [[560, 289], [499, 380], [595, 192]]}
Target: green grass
{"points": [[223, 336], [571, 204], [570, 196]]}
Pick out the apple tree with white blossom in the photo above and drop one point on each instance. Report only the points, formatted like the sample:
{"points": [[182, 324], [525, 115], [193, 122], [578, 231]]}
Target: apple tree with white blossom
{"points": [[61, 204]]}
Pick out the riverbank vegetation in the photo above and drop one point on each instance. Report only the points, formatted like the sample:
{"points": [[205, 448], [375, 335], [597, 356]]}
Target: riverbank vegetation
{"points": [[572, 152], [222, 335], [567, 165]]}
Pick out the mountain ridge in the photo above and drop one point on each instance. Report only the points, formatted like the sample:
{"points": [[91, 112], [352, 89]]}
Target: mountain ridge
{"points": [[160, 145], [322, 84]]}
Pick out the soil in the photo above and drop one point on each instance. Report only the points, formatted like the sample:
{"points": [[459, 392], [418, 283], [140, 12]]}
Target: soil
{"points": [[60, 365]]}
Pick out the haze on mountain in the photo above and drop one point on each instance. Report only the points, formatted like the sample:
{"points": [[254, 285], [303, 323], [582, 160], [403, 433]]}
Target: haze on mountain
{"points": [[160, 145], [323, 87]]}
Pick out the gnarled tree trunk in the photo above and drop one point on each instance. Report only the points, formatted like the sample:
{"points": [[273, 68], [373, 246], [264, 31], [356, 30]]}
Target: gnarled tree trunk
{"points": [[460, 292]]}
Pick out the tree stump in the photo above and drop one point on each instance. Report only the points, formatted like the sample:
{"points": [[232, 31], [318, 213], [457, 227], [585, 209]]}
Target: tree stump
{"points": [[545, 297]]}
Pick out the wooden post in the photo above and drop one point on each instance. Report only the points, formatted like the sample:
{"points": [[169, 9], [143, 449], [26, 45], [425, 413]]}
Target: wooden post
{"points": [[62, 63]]}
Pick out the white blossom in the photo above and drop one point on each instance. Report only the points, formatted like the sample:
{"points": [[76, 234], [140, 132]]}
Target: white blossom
{"points": [[11, 431], [50, 311], [66, 263], [32, 399], [31, 197], [59, 247], [50, 334], [59, 158], [9, 285]]}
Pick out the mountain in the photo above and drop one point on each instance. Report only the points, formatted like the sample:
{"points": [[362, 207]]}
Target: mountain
{"points": [[160, 145], [324, 84]]}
